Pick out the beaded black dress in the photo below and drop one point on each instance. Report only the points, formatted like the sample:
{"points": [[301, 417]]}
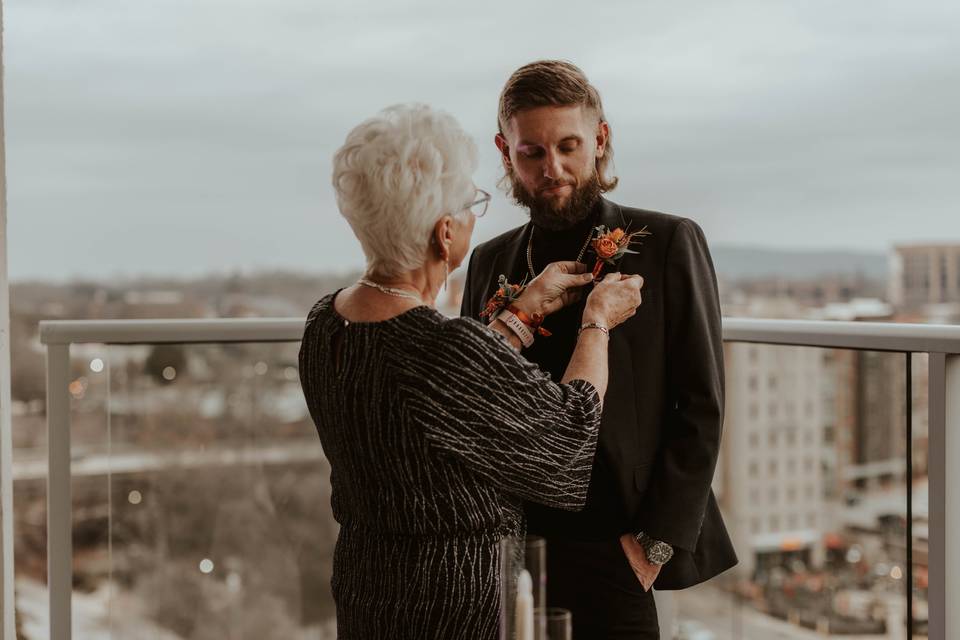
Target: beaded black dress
{"points": [[436, 429]]}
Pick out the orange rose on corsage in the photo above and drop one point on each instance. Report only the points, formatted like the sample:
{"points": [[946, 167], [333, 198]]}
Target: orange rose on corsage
{"points": [[610, 246], [505, 295]]}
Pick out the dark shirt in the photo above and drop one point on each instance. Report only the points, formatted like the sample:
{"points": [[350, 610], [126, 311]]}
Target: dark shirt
{"points": [[603, 516]]}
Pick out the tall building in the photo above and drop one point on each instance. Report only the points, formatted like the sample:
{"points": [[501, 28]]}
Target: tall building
{"points": [[801, 426], [839, 426], [881, 406], [772, 488], [924, 275]]}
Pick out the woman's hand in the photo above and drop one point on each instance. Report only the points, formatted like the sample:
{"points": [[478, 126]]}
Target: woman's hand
{"points": [[560, 284], [613, 299]]}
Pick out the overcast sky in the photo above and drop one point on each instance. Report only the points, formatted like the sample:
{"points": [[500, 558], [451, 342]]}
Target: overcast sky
{"points": [[186, 136]]}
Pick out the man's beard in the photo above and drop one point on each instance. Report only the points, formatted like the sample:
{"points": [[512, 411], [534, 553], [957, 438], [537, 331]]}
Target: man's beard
{"points": [[544, 215]]}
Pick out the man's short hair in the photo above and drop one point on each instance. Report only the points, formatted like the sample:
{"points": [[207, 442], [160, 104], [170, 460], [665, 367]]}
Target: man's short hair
{"points": [[555, 83]]}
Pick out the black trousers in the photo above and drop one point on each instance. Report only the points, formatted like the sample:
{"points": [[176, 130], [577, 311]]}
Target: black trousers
{"points": [[595, 582]]}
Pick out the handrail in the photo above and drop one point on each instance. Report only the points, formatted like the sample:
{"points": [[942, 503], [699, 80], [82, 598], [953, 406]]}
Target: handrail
{"points": [[180, 331], [868, 336], [873, 336]]}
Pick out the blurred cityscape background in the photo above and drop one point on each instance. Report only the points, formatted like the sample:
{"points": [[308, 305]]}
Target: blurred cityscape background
{"points": [[201, 495], [172, 160]]}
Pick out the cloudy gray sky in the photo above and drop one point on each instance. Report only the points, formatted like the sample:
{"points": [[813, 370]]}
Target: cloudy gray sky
{"points": [[187, 136]]}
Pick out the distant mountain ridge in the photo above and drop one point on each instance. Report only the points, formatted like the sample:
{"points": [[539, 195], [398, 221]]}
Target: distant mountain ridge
{"points": [[738, 263]]}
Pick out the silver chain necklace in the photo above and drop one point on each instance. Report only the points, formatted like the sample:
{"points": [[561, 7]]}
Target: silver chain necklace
{"points": [[390, 291], [583, 250]]}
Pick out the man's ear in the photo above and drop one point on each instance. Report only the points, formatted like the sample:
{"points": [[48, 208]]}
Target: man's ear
{"points": [[504, 148], [603, 135]]}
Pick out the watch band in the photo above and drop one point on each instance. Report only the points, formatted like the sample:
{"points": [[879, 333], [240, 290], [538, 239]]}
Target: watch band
{"points": [[658, 552], [533, 320], [516, 325]]}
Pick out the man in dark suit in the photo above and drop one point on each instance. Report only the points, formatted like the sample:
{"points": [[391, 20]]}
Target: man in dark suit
{"points": [[651, 518]]}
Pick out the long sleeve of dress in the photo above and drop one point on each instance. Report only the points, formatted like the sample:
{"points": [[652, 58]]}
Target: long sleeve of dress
{"points": [[481, 402]]}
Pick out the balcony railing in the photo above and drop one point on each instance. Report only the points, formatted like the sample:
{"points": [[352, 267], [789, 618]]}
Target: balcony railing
{"points": [[940, 343]]}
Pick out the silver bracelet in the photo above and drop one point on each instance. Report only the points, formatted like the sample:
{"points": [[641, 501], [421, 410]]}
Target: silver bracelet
{"points": [[594, 325]]}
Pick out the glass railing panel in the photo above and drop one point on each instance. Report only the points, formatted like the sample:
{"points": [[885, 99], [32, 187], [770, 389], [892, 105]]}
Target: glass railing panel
{"points": [[29, 428], [201, 497], [208, 496], [89, 391], [812, 480]]}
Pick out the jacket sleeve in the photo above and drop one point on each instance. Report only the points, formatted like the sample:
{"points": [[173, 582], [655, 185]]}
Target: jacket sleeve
{"points": [[468, 308], [676, 498]]}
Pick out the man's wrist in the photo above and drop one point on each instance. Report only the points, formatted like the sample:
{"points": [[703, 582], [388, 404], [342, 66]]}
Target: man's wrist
{"points": [[658, 552]]}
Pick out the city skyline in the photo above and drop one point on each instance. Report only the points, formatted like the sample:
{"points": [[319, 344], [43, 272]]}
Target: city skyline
{"points": [[179, 139]]}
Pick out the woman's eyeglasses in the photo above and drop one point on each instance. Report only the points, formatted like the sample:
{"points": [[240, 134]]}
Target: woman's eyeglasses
{"points": [[479, 206]]}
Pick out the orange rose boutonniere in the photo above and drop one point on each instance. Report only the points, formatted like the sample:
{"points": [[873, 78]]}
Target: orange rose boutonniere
{"points": [[610, 246]]}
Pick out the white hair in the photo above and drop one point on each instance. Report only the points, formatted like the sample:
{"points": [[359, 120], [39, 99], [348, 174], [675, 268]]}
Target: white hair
{"points": [[396, 175]]}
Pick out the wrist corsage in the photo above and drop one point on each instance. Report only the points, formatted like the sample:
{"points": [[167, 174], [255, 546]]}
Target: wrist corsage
{"points": [[610, 246], [505, 295], [504, 299]]}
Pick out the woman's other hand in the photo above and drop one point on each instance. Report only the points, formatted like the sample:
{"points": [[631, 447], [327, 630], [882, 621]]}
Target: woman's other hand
{"points": [[613, 299]]}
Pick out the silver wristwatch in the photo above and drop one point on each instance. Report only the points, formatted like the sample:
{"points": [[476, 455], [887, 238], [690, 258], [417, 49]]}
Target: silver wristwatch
{"points": [[657, 552]]}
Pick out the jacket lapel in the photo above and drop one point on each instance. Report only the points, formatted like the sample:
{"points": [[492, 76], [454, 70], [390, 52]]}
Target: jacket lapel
{"points": [[510, 258], [611, 216], [512, 254], [503, 260]]}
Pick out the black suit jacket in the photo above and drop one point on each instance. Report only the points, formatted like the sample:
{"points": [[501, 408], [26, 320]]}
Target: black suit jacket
{"points": [[663, 410]]}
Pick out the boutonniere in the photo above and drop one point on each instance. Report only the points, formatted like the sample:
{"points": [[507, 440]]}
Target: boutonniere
{"points": [[610, 246], [503, 298]]}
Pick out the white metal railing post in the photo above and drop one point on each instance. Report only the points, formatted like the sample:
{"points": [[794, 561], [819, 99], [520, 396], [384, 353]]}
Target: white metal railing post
{"points": [[7, 609], [951, 421], [59, 502], [944, 478]]}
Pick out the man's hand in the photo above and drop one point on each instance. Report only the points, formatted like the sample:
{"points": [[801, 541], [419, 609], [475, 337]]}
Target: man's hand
{"points": [[646, 572]]}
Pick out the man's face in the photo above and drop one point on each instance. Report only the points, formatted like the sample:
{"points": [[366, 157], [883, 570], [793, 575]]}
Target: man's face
{"points": [[550, 154]]}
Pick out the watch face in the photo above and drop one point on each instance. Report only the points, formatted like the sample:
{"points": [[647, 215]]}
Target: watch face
{"points": [[659, 553]]}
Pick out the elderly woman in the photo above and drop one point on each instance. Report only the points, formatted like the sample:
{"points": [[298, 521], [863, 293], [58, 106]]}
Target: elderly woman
{"points": [[437, 428]]}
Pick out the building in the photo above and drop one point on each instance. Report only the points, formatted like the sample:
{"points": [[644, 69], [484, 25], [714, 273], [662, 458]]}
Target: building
{"points": [[924, 277], [805, 430], [772, 487]]}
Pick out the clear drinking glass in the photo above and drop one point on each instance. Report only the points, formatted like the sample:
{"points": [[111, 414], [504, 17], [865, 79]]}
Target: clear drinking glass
{"points": [[535, 561], [511, 562], [559, 624]]}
